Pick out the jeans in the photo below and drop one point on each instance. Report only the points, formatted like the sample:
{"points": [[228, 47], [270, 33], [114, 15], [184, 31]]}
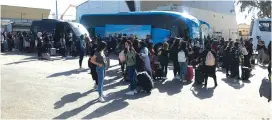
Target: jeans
{"points": [[176, 68], [183, 70], [132, 75], [81, 55], [101, 71]]}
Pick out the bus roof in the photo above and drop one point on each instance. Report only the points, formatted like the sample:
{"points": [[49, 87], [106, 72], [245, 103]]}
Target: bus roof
{"points": [[175, 14], [263, 19]]}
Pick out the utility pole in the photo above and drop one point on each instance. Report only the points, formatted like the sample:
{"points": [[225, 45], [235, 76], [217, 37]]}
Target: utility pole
{"points": [[57, 9]]}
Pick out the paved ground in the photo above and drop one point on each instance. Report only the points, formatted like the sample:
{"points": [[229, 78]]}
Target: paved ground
{"points": [[33, 89]]}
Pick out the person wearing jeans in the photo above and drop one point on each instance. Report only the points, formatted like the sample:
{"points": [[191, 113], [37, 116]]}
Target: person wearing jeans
{"points": [[130, 54], [99, 59], [183, 60]]}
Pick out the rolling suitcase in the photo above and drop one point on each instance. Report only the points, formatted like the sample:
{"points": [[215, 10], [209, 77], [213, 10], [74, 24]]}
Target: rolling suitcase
{"points": [[145, 81], [53, 51], [265, 89], [245, 73], [199, 75], [190, 73]]}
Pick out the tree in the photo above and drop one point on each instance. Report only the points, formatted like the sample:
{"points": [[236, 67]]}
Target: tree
{"points": [[262, 7]]}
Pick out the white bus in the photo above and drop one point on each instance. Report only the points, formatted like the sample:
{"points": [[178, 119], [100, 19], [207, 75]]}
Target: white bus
{"points": [[260, 29]]}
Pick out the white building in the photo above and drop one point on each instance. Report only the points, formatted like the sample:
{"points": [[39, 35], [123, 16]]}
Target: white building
{"points": [[219, 14]]}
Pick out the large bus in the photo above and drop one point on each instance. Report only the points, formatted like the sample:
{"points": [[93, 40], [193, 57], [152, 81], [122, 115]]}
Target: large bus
{"points": [[57, 27], [174, 23], [260, 29]]}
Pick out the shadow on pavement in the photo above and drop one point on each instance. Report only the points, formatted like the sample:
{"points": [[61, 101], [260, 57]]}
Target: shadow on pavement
{"points": [[19, 62], [171, 87], [71, 98], [118, 103], [233, 83], [67, 73], [202, 92]]}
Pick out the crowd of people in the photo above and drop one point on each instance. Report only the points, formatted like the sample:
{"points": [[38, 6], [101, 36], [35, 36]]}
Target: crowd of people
{"points": [[141, 55], [20, 41]]}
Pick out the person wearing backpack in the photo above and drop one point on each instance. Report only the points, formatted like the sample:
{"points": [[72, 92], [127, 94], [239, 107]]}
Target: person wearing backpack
{"points": [[183, 60], [130, 55], [209, 61]]}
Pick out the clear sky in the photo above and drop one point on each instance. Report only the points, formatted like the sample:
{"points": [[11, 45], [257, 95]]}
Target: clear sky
{"points": [[71, 13]]}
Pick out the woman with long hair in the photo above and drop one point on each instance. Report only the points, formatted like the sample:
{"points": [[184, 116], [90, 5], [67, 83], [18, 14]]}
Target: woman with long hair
{"points": [[99, 59], [130, 55]]}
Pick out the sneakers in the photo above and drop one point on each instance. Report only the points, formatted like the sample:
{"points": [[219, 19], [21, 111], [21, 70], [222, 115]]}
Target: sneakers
{"points": [[101, 99], [131, 92]]}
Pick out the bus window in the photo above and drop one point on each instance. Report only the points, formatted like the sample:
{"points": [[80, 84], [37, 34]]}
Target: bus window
{"points": [[265, 26]]}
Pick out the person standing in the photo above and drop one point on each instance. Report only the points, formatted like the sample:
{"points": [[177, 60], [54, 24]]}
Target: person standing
{"points": [[209, 61], [261, 52], [145, 54], [174, 57], [82, 48], [99, 59], [164, 58], [235, 61], [39, 45], [183, 60], [130, 55]]}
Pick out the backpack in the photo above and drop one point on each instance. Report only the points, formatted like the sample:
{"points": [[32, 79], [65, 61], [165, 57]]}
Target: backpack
{"points": [[210, 60], [140, 64], [244, 51], [181, 56]]}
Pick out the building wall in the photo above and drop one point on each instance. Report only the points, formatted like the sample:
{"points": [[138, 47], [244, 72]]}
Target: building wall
{"points": [[102, 7], [244, 30]]}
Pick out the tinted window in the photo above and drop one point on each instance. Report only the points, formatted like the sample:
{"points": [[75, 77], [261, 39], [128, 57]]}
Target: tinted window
{"points": [[265, 26]]}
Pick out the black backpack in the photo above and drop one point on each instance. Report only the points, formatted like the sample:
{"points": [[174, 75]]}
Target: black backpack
{"points": [[140, 64]]}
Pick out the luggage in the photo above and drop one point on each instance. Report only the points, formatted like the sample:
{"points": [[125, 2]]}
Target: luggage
{"points": [[145, 81], [190, 73], [52, 51], [265, 89], [245, 73], [158, 71], [199, 75], [46, 56]]}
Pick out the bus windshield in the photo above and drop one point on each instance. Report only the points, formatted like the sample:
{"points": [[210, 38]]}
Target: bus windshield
{"points": [[265, 26], [78, 29]]}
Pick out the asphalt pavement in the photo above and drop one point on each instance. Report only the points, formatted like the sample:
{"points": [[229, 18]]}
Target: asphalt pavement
{"points": [[55, 89]]}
